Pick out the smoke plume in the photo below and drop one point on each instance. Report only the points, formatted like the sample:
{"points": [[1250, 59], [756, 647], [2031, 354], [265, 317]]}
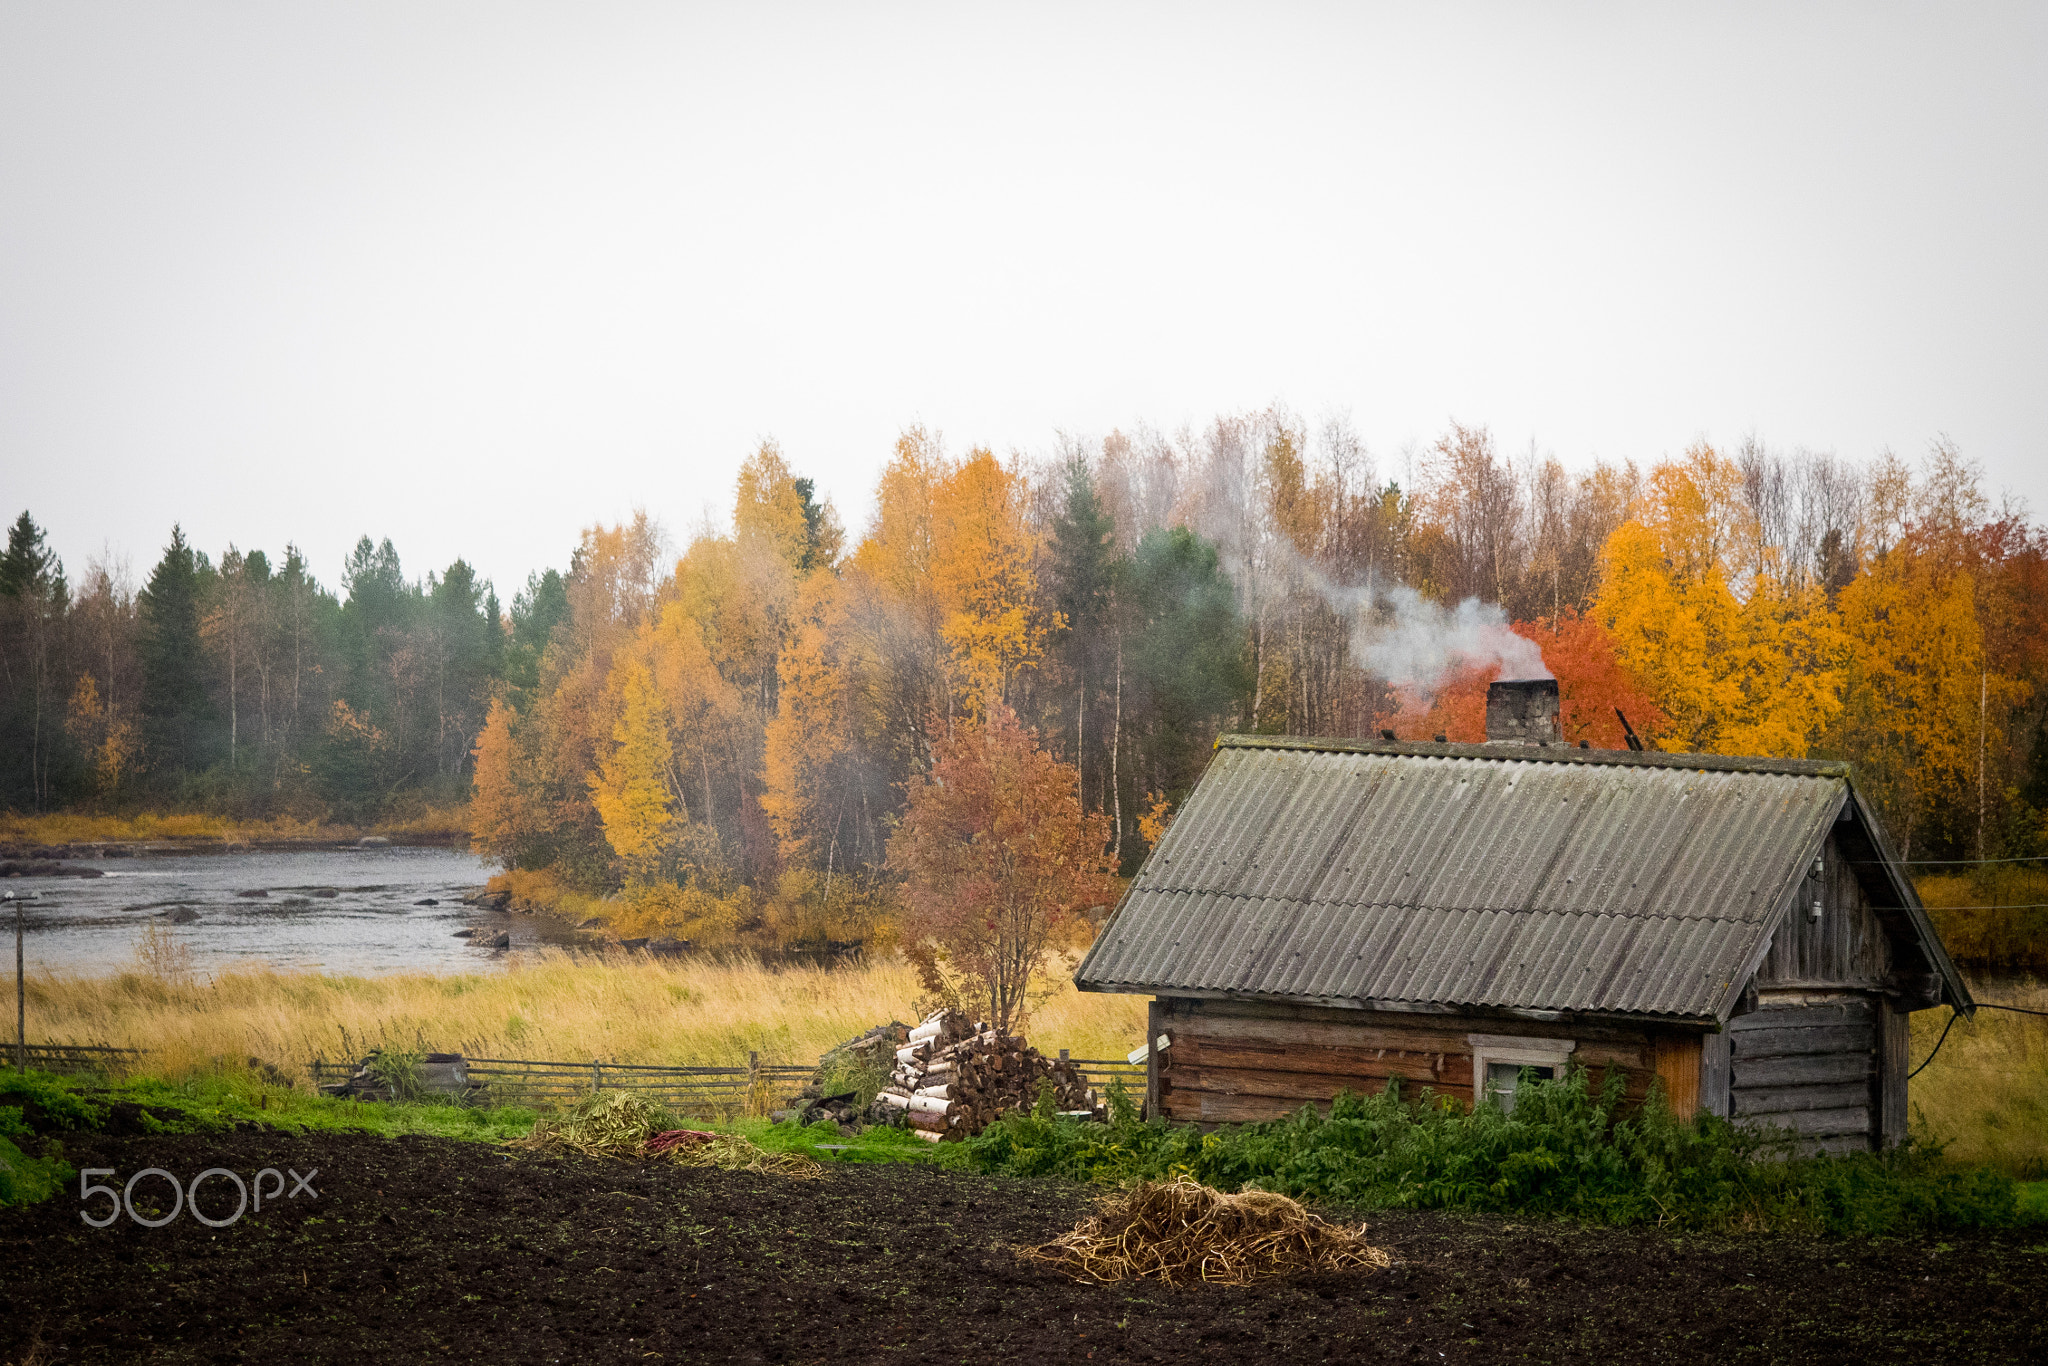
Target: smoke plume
{"points": [[1412, 642]]}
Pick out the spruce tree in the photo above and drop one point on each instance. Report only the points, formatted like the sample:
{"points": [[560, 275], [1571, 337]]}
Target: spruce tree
{"points": [[1083, 569], [174, 704], [28, 567]]}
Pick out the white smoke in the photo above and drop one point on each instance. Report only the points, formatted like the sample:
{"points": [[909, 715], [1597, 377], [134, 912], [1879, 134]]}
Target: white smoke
{"points": [[1397, 635], [1412, 642]]}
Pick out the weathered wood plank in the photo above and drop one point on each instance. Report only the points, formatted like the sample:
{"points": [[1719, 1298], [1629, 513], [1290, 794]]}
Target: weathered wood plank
{"points": [[1848, 944], [1297, 1033], [1779, 1043], [1715, 1072], [1238, 1081], [1851, 1010], [1678, 1067], [1322, 1061], [1771, 1100], [1599, 1055], [1450, 1026], [1209, 1108], [1839, 1143], [1278, 1033], [1812, 1069], [1815, 1123], [1155, 1025], [1894, 1044]]}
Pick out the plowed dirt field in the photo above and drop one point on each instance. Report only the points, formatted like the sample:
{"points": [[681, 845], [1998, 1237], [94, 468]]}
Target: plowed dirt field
{"points": [[425, 1250]]}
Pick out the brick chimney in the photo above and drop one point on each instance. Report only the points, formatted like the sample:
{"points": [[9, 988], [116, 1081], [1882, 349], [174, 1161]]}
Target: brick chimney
{"points": [[1522, 711]]}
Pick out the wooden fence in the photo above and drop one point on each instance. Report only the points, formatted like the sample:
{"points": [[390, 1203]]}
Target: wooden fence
{"points": [[545, 1085], [751, 1089], [1100, 1072], [74, 1057]]}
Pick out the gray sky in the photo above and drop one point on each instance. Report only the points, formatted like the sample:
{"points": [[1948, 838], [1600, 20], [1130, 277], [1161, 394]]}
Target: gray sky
{"points": [[472, 276]]}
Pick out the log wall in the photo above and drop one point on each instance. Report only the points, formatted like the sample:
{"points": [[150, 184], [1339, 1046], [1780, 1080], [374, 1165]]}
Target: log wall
{"points": [[1232, 1062], [1809, 1062]]}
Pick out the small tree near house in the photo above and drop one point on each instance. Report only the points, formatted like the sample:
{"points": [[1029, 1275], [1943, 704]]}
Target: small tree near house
{"points": [[997, 856]]}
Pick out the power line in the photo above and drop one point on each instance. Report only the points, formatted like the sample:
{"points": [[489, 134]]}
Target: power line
{"points": [[2015, 906], [1954, 1015]]}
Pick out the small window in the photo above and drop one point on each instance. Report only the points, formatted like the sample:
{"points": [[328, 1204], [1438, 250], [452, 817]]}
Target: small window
{"points": [[1503, 1077], [1498, 1060]]}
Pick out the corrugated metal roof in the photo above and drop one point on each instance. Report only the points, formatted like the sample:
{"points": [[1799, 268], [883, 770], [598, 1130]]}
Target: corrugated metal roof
{"points": [[1469, 875]]}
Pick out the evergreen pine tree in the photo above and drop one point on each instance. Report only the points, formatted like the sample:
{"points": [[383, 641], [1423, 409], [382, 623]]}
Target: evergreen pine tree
{"points": [[174, 703], [29, 567]]}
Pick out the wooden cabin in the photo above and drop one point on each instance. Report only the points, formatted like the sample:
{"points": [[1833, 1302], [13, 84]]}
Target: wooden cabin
{"points": [[1328, 914]]}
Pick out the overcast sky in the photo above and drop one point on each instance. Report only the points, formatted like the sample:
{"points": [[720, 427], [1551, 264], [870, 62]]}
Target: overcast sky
{"points": [[473, 276]]}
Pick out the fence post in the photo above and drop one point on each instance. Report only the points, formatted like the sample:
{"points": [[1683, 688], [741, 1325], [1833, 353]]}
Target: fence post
{"points": [[753, 1080], [596, 1077], [1063, 1055]]}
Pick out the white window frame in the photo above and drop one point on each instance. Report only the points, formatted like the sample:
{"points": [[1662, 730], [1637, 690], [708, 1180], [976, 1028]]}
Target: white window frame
{"points": [[1519, 1049]]}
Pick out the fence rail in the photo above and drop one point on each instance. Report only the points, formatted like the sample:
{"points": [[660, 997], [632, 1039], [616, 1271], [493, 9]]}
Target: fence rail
{"points": [[752, 1087], [540, 1082], [74, 1057], [1100, 1072]]}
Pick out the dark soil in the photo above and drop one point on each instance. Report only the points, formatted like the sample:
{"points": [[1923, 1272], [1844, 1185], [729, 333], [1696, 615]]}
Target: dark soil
{"points": [[421, 1249]]}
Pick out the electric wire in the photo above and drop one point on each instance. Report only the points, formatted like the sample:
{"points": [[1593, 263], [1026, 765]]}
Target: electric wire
{"points": [[1953, 862], [1955, 1015], [2006, 906]]}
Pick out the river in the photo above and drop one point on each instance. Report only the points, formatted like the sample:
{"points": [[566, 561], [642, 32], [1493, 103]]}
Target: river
{"points": [[323, 910]]}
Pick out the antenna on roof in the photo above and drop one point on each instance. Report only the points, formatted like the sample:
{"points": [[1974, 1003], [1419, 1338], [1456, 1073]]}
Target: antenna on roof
{"points": [[1630, 731]]}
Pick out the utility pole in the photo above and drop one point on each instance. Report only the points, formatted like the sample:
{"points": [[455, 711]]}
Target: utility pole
{"points": [[20, 990]]}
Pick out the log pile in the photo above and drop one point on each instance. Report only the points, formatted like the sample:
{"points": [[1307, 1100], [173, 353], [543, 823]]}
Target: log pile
{"points": [[871, 1054], [954, 1078]]}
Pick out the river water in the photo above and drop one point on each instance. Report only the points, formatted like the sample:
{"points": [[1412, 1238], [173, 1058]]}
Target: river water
{"points": [[324, 910]]}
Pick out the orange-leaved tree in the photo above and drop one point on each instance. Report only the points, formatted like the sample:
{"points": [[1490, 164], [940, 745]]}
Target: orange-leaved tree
{"points": [[630, 787], [496, 811], [997, 858]]}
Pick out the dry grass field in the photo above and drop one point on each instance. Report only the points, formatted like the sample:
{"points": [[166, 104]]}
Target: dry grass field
{"points": [[619, 1008], [437, 823], [1986, 1093]]}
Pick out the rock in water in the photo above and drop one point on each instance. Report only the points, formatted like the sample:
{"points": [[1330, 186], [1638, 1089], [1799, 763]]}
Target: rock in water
{"points": [[181, 915]]}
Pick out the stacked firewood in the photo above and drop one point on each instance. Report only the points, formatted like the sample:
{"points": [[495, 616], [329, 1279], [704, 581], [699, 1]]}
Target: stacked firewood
{"points": [[867, 1054], [955, 1077]]}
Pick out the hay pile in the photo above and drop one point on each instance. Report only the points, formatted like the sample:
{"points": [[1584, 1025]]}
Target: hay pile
{"points": [[628, 1127], [1182, 1231]]}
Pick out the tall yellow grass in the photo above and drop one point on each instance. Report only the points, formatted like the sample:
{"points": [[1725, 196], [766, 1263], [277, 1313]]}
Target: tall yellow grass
{"points": [[620, 1008], [436, 822], [1986, 1092]]}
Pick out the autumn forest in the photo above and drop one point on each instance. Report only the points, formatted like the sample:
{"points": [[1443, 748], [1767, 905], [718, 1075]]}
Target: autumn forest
{"points": [[735, 734]]}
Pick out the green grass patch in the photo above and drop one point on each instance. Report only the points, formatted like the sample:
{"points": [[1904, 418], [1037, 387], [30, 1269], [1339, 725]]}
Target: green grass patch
{"points": [[25, 1180], [877, 1143], [231, 1100], [1569, 1150]]}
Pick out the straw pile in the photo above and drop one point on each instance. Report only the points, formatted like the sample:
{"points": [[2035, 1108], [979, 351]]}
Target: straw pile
{"points": [[627, 1127], [1182, 1231]]}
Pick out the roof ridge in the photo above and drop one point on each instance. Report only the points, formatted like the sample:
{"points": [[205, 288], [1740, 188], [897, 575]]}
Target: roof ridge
{"points": [[1545, 754]]}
